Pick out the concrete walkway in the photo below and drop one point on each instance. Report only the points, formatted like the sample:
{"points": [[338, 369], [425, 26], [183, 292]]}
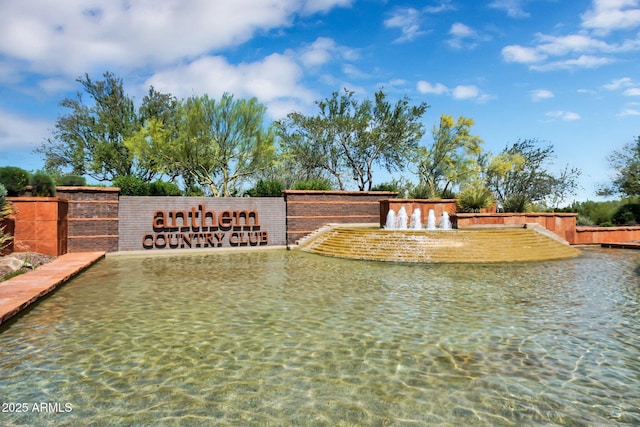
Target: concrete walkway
{"points": [[20, 292]]}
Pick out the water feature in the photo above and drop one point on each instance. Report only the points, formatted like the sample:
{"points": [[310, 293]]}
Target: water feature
{"points": [[445, 222], [402, 218], [390, 224], [431, 220], [500, 244], [290, 338], [416, 220]]}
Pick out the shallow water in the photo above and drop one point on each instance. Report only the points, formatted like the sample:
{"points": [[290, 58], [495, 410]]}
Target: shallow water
{"points": [[288, 338]]}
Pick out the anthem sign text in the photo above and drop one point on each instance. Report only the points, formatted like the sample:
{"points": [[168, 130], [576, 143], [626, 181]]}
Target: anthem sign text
{"points": [[198, 227]]}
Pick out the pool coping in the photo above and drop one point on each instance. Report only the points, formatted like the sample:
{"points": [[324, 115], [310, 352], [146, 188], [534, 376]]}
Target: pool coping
{"points": [[20, 292]]}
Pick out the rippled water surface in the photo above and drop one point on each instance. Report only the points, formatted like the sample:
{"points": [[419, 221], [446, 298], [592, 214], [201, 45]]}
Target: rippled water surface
{"points": [[287, 338]]}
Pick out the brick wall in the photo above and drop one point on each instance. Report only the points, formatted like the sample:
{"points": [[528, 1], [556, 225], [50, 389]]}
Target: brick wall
{"points": [[137, 215], [92, 218], [309, 210]]}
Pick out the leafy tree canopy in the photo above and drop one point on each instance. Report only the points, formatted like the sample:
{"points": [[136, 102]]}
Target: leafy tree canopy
{"points": [[626, 163], [451, 160], [522, 173], [348, 137], [89, 140]]}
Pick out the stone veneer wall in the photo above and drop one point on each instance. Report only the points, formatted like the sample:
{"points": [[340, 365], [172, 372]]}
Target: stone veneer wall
{"points": [[137, 232], [92, 218], [308, 210]]}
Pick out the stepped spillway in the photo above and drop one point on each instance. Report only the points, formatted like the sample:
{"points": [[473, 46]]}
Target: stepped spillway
{"points": [[481, 245]]}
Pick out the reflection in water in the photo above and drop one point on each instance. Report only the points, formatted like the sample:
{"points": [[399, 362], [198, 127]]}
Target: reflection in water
{"points": [[283, 337]]}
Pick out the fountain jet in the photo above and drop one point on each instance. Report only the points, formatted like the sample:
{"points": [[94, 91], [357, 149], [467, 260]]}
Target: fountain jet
{"points": [[391, 220], [401, 223], [416, 220], [445, 224], [431, 220]]}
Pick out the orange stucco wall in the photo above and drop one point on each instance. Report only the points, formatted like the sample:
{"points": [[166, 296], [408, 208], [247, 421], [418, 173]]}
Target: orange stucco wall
{"points": [[561, 224], [40, 225], [597, 235]]}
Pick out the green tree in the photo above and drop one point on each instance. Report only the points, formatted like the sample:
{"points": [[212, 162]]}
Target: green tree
{"points": [[521, 175], [626, 163], [219, 144], [452, 159], [90, 139], [159, 116], [349, 137]]}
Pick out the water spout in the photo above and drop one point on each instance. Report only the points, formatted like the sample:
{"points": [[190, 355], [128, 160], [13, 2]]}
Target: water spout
{"points": [[416, 220], [431, 220], [401, 223], [445, 224], [391, 220]]}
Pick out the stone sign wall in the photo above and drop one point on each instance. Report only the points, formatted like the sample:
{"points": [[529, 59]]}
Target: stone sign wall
{"points": [[308, 210], [163, 223]]}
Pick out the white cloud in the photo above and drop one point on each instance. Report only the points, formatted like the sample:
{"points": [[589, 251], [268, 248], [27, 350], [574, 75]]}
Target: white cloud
{"points": [[610, 15], [583, 61], [634, 91], [585, 49], [566, 116], [275, 81], [540, 94], [466, 92], [443, 6], [324, 50], [629, 112], [43, 37], [458, 29], [465, 37], [514, 8], [619, 83], [573, 43], [408, 21], [22, 131], [521, 54], [460, 92], [425, 87]]}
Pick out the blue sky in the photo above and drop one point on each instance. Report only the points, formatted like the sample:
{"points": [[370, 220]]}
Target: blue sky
{"points": [[563, 72]]}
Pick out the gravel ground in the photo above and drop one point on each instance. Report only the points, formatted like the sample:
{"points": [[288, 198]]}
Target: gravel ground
{"points": [[32, 260]]}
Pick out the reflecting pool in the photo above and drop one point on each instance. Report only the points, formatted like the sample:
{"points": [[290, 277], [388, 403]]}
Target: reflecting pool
{"points": [[289, 338]]}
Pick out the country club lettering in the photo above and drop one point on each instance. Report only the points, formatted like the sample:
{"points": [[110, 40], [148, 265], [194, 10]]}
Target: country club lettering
{"points": [[199, 227]]}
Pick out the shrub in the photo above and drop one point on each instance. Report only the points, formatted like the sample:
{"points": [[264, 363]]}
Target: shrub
{"points": [[14, 179], [598, 212], [3, 195], [42, 185], [386, 186], [72, 180], [584, 221], [474, 198], [517, 203], [5, 207], [266, 189], [420, 191], [628, 214], [313, 184], [132, 185], [194, 191], [164, 188]]}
